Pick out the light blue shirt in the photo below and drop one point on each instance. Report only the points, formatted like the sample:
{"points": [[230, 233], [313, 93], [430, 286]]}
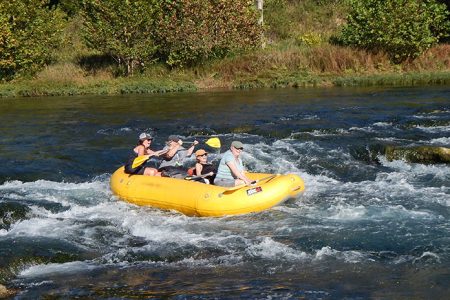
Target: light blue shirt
{"points": [[177, 160], [224, 172]]}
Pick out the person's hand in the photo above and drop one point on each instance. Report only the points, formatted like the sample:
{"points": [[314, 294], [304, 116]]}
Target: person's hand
{"points": [[247, 181], [180, 142], [195, 142]]}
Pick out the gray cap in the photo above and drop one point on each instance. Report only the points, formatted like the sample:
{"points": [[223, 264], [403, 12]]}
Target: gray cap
{"points": [[173, 138], [237, 144], [145, 136]]}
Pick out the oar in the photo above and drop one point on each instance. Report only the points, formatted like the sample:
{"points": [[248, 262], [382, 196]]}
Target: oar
{"points": [[199, 176], [143, 158], [238, 187], [212, 142]]}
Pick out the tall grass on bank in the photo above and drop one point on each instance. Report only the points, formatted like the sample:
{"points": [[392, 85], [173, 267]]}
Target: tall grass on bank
{"points": [[295, 66], [321, 65]]}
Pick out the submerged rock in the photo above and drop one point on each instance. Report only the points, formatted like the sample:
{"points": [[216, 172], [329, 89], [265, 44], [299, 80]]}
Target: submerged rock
{"points": [[4, 292], [420, 154]]}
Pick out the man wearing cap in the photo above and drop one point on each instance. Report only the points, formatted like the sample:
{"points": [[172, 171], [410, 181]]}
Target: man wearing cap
{"points": [[231, 171], [142, 148], [176, 154]]}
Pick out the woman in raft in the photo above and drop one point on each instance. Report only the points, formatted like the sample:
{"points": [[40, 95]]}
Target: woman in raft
{"points": [[143, 148], [202, 167]]}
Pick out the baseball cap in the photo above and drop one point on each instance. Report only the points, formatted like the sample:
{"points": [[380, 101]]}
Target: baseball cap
{"points": [[237, 144], [145, 136], [200, 152], [173, 138]]}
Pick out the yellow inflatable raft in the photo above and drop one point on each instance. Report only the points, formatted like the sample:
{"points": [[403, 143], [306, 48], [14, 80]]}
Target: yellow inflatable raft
{"points": [[198, 199]]}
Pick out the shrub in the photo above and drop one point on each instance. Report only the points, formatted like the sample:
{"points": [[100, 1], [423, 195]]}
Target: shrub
{"points": [[29, 34], [190, 31], [402, 28], [121, 29]]}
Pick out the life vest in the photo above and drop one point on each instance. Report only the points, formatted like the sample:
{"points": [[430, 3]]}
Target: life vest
{"points": [[129, 163], [205, 170]]}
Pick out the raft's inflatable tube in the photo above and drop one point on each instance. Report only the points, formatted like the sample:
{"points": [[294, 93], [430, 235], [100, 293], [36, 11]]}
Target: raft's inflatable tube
{"points": [[198, 199]]}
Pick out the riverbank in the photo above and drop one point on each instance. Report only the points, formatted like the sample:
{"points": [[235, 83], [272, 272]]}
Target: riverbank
{"points": [[138, 85], [293, 66]]}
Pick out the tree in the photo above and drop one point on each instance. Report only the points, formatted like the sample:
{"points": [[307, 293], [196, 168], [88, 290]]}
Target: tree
{"points": [[190, 31], [402, 28], [122, 29], [29, 34]]}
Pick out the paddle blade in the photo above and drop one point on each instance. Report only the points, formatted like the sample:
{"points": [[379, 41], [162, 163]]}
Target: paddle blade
{"points": [[213, 142], [139, 160]]}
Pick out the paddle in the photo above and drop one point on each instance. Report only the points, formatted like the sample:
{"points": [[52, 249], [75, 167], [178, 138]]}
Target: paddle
{"points": [[143, 158], [199, 176], [212, 142], [238, 187]]}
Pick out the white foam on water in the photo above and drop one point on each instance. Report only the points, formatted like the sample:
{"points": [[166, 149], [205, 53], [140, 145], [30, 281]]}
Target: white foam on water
{"points": [[399, 211], [408, 171], [346, 256], [270, 249], [324, 133], [382, 124], [434, 129], [64, 193], [428, 256], [445, 141], [44, 270], [345, 212]]}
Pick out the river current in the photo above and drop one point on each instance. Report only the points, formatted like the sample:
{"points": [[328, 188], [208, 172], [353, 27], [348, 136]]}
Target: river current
{"points": [[366, 227]]}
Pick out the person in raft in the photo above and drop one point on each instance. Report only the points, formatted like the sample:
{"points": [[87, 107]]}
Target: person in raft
{"points": [[202, 167], [231, 171], [176, 154], [142, 148]]}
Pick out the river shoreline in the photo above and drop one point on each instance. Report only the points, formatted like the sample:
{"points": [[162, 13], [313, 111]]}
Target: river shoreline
{"points": [[145, 85]]}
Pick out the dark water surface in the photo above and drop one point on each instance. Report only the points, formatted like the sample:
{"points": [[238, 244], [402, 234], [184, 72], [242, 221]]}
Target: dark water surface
{"points": [[365, 228]]}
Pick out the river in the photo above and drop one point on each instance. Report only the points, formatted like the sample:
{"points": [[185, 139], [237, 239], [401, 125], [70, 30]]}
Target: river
{"points": [[366, 227]]}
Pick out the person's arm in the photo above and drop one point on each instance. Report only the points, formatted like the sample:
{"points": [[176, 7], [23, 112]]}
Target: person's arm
{"points": [[141, 150], [238, 174], [157, 153], [191, 148], [198, 168], [173, 148]]}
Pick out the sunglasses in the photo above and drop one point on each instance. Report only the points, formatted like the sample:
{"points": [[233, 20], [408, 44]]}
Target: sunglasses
{"points": [[239, 148], [203, 155]]}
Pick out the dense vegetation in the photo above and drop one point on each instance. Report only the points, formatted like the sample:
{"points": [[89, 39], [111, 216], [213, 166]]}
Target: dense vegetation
{"points": [[122, 46], [403, 29]]}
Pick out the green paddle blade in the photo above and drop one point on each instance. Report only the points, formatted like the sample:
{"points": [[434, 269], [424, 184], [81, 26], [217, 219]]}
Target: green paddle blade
{"points": [[139, 160], [213, 142]]}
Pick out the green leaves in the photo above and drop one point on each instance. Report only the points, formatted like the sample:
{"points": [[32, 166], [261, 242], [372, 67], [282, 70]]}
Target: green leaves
{"points": [[121, 29], [190, 31], [402, 28], [29, 33]]}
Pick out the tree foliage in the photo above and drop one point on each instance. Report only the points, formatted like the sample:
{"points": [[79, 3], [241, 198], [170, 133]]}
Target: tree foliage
{"points": [[190, 31], [122, 29], [402, 28], [29, 34]]}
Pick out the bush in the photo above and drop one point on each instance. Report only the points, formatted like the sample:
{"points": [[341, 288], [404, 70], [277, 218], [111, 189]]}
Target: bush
{"points": [[121, 29], [190, 31], [402, 28], [29, 34]]}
